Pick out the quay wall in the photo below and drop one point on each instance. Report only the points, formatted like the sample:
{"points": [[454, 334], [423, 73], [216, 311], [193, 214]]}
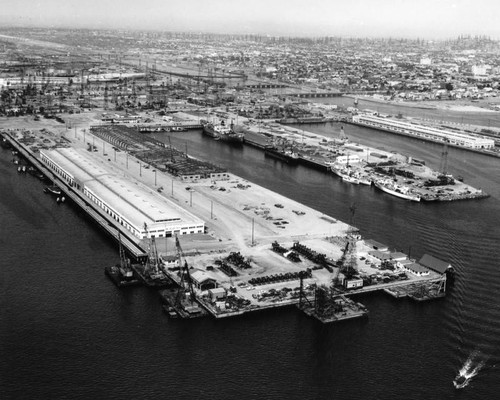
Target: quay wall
{"points": [[109, 225], [379, 128]]}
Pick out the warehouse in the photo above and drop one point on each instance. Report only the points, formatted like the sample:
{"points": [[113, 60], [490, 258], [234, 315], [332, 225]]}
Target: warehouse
{"points": [[142, 211]]}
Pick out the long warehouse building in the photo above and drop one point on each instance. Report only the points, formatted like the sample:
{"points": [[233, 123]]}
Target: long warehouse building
{"points": [[144, 212], [459, 139]]}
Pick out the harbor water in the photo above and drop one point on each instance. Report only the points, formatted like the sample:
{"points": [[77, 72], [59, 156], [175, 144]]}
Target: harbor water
{"points": [[66, 332]]}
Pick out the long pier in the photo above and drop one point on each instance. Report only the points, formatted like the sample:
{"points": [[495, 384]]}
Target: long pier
{"points": [[105, 222]]}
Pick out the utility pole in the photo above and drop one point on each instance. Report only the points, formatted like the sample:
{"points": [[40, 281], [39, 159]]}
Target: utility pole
{"points": [[253, 230]]}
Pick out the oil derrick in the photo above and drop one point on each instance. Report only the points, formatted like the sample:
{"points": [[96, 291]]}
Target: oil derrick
{"points": [[105, 100], [134, 93]]}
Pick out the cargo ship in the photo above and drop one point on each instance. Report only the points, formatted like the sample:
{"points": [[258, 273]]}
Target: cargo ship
{"points": [[223, 132], [394, 189], [288, 156]]}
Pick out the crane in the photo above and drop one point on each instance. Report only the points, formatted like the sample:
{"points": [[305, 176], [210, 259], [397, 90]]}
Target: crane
{"points": [[125, 269], [153, 260], [443, 168], [185, 278]]}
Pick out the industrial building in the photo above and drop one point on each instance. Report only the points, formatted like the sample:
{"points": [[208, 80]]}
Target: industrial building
{"points": [[453, 138], [143, 212]]}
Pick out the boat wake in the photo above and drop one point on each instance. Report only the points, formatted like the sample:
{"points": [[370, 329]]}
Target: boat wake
{"points": [[474, 363]]}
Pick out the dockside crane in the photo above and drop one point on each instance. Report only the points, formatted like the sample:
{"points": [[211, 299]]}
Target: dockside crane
{"points": [[348, 263], [152, 267], [185, 278], [125, 268], [443, 167]]}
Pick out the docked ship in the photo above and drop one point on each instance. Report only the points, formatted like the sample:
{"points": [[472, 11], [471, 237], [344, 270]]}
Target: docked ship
{"points": [[397, 190], [288, 156], [350, 179], [223, 132]]}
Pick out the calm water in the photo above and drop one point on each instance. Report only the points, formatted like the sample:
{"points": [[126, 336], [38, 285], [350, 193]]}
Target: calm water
{"points": [[67, 333]]}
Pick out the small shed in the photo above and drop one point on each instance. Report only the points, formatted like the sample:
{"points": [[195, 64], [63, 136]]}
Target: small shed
{"points": [[202, 281], [217, 294]]}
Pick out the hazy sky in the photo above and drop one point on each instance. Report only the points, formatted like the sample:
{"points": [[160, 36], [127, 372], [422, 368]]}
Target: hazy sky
{"points": [[396, 18]]}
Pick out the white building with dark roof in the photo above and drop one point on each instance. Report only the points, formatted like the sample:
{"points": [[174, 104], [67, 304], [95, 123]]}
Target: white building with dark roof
{"points": [[142, 211]]}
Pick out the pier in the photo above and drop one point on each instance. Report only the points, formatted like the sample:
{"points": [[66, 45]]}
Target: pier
{"points": [[234, 271], [109, 225]]}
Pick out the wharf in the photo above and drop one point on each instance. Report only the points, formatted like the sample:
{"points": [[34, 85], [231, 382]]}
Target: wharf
{"points": [[370, 164], [244, 217], [102, 219], [492, 153]]}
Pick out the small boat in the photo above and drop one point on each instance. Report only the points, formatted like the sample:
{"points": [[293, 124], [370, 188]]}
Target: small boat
{"points": [[403, 192], [54, 190], [460, 381], [350, 179]]}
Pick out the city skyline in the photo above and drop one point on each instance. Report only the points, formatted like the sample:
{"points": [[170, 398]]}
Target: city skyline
{"points": [[358, 18]]}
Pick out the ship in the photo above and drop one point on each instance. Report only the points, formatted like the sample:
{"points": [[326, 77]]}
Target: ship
{"points": [[350, 179], [223, 132], [288, 156], [460, 381], [54, 190], [397, 190]]}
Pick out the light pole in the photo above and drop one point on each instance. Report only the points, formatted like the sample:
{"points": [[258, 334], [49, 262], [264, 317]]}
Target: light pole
{"points": [[155, 175], [140, 168]]}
